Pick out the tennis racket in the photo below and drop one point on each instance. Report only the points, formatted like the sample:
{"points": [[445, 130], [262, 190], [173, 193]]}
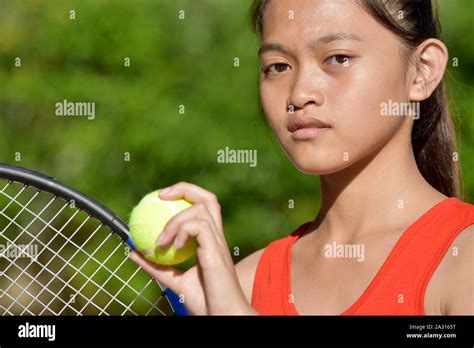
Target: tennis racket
{"points": [[63, 253]]}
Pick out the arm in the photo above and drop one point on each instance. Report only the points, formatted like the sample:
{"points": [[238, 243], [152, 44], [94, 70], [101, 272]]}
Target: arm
{"points": [[245, 269], [459, 293]]}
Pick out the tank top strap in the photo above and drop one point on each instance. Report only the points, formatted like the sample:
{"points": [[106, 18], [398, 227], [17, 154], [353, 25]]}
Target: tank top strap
{"points": [[399, 287], [271, 273]]}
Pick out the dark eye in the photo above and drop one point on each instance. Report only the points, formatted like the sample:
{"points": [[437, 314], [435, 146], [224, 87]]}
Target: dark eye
{"points": [[338, 59], [275, 68]]}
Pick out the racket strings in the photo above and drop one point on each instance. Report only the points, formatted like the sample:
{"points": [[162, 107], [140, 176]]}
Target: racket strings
{"points": [[76, 269], [45, 287], [32, 258], [100, 280]]}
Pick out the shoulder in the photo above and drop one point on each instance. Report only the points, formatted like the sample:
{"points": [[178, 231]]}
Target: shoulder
{"points": [[453, 281], [246, 269], [463, 213], [460, 286]]}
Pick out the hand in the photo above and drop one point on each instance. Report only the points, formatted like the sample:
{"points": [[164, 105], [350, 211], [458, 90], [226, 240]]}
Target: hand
{"points": [[211, 286]]}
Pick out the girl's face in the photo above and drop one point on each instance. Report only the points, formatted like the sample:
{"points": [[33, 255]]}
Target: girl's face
{"points": [[334, 65]]}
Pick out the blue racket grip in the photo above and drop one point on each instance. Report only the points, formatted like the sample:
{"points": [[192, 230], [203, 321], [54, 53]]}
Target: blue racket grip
{"points": [[178, 307]]}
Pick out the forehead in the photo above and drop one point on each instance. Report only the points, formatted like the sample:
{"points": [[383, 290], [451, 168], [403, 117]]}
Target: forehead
{"points": [[311, 18]]}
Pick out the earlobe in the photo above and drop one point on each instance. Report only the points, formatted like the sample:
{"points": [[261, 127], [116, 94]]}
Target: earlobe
{"points": [[431, 59]]}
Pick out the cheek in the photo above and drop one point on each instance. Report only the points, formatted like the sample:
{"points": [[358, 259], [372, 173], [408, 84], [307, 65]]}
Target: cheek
{"points": [[359, 125], [273, 101]]}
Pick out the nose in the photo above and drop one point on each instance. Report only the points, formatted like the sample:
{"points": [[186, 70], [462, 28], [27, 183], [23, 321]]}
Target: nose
{"points": [[306, 90]]}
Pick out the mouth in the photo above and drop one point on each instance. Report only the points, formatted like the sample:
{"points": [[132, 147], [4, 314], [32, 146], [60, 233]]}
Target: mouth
{"points": [[305, 127]]}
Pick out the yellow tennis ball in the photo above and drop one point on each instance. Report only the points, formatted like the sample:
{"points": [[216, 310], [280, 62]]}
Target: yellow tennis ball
{"points": [[147, 221]]}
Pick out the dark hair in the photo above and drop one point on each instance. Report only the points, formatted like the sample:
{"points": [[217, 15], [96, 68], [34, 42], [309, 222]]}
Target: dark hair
{"points": [[433, 137]]}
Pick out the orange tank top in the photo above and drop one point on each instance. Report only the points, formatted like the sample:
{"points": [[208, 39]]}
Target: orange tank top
{"points": [[406, 271]]}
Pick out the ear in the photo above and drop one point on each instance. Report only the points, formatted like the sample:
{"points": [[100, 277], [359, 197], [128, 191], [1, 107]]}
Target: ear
{"points": [[431, 58]]}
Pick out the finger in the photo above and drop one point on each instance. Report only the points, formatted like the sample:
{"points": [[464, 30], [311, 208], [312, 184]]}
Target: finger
{"points": [[166, 275], [184, 231], [194, 194], [209, 255], [197, 211], [200, 229]]}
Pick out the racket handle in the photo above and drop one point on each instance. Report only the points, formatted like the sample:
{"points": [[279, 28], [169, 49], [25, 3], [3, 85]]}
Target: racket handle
{"points": [[130, 243], [178, 307]]}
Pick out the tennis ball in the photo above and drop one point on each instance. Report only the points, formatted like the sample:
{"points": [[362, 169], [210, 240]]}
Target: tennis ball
{"points": [[147, 221]]}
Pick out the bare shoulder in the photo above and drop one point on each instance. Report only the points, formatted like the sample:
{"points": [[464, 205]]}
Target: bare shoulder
{"points": [[245, 269], [453, 281]]}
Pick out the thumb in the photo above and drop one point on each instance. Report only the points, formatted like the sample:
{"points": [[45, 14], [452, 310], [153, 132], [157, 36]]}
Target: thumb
{"points": [[166, 275]]}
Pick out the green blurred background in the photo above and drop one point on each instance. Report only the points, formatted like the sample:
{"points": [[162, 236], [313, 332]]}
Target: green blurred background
{"points": [[173, 62]]}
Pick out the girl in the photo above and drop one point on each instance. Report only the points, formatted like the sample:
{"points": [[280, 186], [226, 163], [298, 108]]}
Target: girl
{"points": [[354, 92]]}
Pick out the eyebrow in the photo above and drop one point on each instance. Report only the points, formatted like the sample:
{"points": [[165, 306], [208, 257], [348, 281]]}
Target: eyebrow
{"points": [[323, 40]]}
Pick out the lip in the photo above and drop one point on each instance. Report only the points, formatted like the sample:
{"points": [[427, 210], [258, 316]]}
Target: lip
{"points": [[305, 127], [308, 133]]}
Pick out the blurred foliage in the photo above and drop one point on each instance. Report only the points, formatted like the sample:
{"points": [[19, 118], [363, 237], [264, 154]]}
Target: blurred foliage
{"points": [[457, 25], [174, 62]]}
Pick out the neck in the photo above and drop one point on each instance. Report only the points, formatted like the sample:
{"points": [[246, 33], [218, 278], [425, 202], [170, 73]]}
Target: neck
{"points": [[385, 191]]}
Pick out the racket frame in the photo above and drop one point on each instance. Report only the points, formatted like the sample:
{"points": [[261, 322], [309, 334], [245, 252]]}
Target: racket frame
{"points": [[97, 210]]}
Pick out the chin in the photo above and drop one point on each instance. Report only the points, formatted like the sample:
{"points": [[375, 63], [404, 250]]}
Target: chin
{"points": [[318, 164]]}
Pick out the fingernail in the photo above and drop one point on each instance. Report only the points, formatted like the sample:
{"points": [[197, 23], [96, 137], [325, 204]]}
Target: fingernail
{"points": [[176, 244], [166, 190], [160, 238]]}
